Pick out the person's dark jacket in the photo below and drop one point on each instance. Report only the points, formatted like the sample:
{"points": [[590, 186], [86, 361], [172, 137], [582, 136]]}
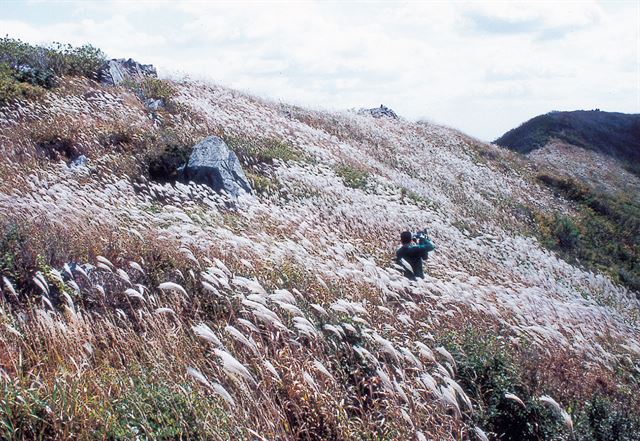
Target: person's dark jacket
{"points": [[413, 255]]}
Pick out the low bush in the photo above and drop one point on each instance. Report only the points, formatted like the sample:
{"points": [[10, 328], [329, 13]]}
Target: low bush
{"points": [[85, 61], [11, 88], [566, 233], [156, 89], [487, 371], [26, 70], [58, 59], [605, 419]]}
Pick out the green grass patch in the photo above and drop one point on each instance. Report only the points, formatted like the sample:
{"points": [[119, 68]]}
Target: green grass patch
{"points": [[149, 88], [252, 150], [157, 89], [353, 177], [159, 411], [125, 406], [262, 184]]}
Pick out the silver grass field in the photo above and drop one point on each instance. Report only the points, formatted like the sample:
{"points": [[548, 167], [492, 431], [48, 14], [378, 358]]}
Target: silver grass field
{"points": [[149, 310]]}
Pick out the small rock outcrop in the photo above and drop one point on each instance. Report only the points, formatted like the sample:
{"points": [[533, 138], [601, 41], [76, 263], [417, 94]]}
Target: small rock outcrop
{"points": [[379, 112], [212, 163], [117, 71], [154, 104], [78, 162]]}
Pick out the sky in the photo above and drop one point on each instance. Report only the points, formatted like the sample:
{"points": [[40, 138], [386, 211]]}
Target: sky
{"points": [[481, 67]]}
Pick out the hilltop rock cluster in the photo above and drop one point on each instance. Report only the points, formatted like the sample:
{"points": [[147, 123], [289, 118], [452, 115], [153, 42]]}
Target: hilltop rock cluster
{"points": [[379, 112], [116, 71]]}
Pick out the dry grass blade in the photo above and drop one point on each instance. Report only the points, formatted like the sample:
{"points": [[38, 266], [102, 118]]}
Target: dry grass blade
{"points": [[566, 418], [172, 286], [239, 336], [135, 294], [9, 287], [214, 387], [203, 331], [199, 376], [516, 399], [480, 433], [233, 367], [319, 366]]}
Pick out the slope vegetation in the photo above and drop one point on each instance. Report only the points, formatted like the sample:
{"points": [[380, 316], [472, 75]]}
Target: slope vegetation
{"points": [[592, 160], [135, 306]]}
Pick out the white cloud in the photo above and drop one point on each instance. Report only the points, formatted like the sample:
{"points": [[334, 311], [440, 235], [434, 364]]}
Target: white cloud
{"points": [[480, 67]]}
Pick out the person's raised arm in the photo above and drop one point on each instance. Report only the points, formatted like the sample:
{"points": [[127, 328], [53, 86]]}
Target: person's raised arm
{"points": [[425, 246]]}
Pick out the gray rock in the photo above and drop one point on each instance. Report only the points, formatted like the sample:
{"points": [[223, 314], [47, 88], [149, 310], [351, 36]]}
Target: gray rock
{"points": [[115, 72], [213, 164], [379, 112], [80, 161], [154, 105]]}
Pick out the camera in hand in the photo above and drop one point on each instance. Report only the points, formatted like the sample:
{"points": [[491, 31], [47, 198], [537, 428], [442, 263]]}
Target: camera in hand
{"points": [[420, 236]]}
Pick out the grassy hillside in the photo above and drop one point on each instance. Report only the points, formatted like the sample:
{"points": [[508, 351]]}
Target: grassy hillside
{"points": [[585, 158], [136, 306], [604, 233], [609, 133]]}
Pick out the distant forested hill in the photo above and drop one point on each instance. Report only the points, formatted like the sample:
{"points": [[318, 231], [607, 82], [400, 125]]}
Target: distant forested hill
{"points": [[614, 134]]}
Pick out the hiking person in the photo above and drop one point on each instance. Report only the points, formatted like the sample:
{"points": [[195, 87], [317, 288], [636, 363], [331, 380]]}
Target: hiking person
{"points": [[410, 255]]}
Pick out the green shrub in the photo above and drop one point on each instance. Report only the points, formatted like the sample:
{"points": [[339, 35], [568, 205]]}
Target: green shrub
{"points": [[59, 59], [36, 77], [11, 88], [630, 278], [17, 262], [605, 419], [566, 233], [486, 371], [352, 176], [29, 64], [156, 89], [84, 61], [23, 65]]}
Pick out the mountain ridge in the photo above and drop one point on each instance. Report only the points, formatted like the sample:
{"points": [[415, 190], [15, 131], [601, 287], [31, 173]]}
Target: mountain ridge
{"points": [[611, 133]]}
